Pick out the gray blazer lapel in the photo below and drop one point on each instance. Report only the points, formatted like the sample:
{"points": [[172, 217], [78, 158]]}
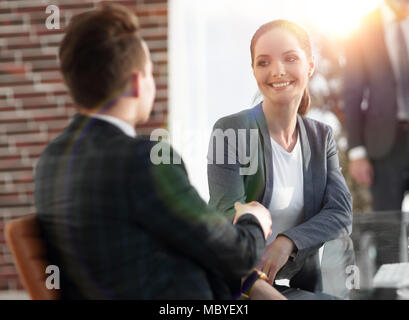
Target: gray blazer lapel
{"points": [[265, 153], [307, 170]]}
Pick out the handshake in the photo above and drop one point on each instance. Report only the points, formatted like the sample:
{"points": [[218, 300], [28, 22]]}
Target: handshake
{"points": [[257, 210]]}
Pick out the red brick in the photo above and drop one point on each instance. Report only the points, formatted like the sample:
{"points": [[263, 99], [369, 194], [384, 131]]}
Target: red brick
{"points": [[4, 285], [7, 117], [7, 272], [49, 65], [12, 68], [6, 260], [27, 111], [19, 43], [11, 19], [17, 188], [12, 78], [17, 83], [5, 10], [22, 34], [15, 212], [14, 165]]}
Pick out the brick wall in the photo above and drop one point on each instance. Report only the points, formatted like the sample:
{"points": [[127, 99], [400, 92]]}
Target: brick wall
{"points": [[34, 103]]}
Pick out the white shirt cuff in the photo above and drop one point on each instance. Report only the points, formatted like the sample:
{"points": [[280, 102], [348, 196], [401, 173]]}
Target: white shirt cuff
{"points": [[357, 153]]}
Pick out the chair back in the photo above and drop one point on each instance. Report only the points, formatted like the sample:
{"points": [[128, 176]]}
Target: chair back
{"points": [[24, 238]]}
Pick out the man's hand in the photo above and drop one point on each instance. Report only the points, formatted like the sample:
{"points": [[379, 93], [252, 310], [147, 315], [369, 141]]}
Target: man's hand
{"points": [[259, 211], [275, 257], [262, 290], [361, 171]]}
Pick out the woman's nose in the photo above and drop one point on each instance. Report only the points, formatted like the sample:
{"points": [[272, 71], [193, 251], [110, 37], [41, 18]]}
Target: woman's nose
{"points": [[277, 69]]}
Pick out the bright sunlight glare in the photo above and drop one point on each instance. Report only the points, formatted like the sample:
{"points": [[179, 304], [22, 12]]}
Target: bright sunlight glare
{"points": [[337, 18], [333, 18]]}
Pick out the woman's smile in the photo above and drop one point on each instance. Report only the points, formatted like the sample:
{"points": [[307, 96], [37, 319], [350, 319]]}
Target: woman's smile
{"points": [[281, 85]]}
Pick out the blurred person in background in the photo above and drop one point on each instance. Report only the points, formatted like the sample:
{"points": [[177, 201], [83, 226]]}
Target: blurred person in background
{"points": [[376, 104], [118, 226]]}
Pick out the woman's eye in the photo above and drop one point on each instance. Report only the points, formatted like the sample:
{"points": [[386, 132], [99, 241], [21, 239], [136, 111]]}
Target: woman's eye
{"points": [[262, 63], [292, 58]]}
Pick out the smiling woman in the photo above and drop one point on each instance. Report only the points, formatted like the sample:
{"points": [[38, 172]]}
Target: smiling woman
{"points": [[298, 177]]}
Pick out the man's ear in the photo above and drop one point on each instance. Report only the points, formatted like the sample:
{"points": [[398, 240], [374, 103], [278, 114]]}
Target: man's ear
{"points": [[135, 84]]}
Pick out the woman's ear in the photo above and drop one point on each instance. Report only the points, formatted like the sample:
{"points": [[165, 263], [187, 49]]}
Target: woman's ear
{"points": [[311, 65]]}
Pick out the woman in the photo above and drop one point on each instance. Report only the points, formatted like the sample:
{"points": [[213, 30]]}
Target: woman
{"points": [[297, 174]]}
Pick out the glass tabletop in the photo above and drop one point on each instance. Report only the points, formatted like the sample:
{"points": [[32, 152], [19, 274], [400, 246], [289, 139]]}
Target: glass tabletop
{"points": [[349, 264]]}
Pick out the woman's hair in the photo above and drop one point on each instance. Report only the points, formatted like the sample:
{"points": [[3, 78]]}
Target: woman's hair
{"points": [[303, 39], [99, 52]]}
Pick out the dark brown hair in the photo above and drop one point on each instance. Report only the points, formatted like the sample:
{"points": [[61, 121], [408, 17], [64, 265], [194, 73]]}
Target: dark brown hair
{"points": [[303, 39], [99, 52]]}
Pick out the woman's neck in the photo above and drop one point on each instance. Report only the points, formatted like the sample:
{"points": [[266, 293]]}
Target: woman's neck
{"points": [[282, 124]]}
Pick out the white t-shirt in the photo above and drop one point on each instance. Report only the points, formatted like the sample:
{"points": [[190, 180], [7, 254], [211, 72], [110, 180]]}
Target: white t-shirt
{"points": [[287, 202]]}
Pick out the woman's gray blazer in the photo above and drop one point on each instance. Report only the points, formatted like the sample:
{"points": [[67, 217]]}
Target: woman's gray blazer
{"points": [[327, 201]]}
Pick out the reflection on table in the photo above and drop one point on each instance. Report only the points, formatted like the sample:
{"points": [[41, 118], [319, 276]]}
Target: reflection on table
{"points": [[349, 264]]}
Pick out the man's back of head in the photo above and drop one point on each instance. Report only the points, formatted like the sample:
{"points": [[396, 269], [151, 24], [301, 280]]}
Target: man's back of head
{"points": [[103, 59]]}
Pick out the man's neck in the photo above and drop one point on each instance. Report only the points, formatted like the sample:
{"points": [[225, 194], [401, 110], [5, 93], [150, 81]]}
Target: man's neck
{"points": [[121, 111], [125, 127]]}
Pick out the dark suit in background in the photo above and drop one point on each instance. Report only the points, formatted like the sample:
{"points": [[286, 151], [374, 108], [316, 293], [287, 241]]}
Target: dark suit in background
{"points": [[376, 124], [119, 227]]}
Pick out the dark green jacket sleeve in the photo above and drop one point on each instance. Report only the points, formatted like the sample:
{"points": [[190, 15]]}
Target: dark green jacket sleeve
{"points": [[188, 225]]}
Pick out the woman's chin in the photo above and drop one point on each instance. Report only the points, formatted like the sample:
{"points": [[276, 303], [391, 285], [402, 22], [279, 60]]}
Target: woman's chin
{"points": [[280, 101], [284, 100]]}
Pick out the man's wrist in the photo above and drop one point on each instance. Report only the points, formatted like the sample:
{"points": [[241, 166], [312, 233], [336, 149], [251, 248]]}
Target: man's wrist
{"points": [[251, 280]]}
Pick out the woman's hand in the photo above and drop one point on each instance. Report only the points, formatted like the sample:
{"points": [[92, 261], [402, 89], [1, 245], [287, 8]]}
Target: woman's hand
{"points": [[262, 290], [275, 257]]}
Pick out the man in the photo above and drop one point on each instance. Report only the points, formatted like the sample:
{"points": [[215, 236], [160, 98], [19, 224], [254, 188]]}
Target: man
{"points": [[377, 73], [117, 226]]}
